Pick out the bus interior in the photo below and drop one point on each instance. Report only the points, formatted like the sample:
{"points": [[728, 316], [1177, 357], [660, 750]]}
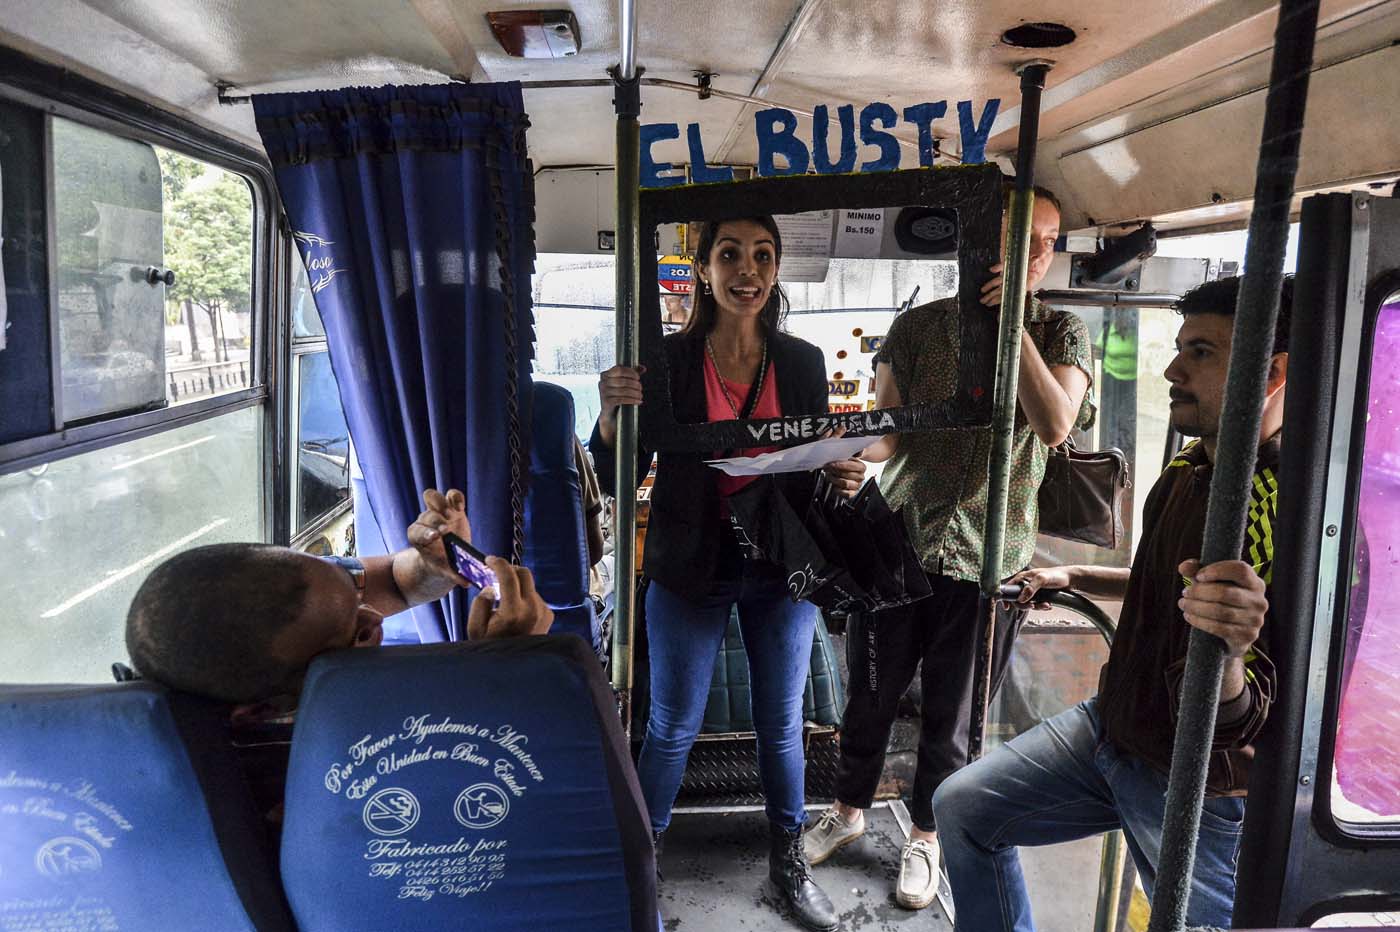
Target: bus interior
{"points": [[167, 380]]}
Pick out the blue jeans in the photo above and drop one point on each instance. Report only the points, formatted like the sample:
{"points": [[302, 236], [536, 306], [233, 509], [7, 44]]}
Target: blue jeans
{"points": [[684, 639], [1060, 781]]}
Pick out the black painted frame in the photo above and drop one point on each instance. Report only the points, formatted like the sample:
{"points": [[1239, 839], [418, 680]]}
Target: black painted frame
{"points": [[975, 191]]}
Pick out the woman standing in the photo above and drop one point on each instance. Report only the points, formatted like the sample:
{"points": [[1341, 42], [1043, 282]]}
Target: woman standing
{"points": [[731, 361]]}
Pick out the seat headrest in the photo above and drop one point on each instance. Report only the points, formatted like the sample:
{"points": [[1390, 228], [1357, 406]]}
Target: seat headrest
{"points": [[483, 785], [104, 822], [556, 539], [553, 414]]}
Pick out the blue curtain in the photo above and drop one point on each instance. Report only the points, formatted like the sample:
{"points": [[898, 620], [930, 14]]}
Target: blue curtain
{"points": [[413, 210]]}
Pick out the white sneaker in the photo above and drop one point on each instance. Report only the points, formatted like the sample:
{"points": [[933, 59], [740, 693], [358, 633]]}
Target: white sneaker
{"points": [[830, 832], [918, 874]]}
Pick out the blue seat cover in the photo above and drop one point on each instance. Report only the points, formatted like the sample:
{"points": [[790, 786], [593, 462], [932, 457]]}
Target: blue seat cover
{"points": [[556, 539], [104, 823], [481, 785]]}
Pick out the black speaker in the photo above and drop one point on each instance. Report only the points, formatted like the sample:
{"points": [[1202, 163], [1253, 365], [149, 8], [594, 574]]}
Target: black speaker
{"points": [[927, 231]]}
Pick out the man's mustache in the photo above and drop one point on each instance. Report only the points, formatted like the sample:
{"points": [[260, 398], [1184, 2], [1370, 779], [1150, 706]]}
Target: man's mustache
{"points": [[1181, 396]]}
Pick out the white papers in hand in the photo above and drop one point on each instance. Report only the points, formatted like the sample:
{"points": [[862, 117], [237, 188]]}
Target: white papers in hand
{"points": [[812, 455]]}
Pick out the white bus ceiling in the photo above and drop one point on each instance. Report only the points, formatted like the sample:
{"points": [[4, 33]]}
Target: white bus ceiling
{"points": [[1153, 110]]}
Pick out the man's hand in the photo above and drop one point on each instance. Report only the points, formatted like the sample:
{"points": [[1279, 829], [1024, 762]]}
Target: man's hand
{"points": [[521, 610], [991, 291], [846, 475], [444, 513], [1225, 599], [1032, 581]]}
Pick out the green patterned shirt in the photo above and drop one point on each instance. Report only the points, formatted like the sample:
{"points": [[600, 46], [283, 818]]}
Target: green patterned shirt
{"points": [[939, 477]]}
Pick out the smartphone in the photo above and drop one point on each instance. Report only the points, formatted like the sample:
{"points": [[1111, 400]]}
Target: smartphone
{"points": [[468, 561]]}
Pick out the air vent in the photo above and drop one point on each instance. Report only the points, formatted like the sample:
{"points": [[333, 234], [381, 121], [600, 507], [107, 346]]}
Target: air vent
{"points": [[1038, 36]]}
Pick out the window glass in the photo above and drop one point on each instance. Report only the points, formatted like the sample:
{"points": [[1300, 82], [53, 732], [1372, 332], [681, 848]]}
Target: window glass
{"points": [[323, 440], [575, 327], [1367, 774], [83, 532], [1227, 248], [154, 275], [306, 319], [853, 307]]}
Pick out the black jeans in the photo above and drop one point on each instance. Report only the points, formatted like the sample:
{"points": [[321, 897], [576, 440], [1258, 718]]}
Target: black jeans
{"points": [[883, 650]]}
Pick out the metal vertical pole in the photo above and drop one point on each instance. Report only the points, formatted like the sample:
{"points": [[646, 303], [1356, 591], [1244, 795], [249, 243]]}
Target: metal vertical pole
{"points": [[1250, 351], [627, 103], [1013, 309], [1110, 882]]}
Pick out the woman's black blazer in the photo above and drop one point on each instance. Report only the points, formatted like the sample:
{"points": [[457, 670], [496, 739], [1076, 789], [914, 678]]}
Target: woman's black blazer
{"points": [[684, 531]]}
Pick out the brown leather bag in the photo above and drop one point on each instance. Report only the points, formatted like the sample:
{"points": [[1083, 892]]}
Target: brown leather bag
{"points": [[1081, 496]]}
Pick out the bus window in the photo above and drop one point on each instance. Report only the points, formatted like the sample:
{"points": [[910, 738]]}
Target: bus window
{"points": [[1366, 788], [154, 275], [323, 441], [320, 434], [306, 319], [86, 530], [575, 327], [849, 310]]}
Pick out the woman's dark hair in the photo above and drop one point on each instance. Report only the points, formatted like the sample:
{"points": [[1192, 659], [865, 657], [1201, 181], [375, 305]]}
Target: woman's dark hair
{"points": [[1042, 195], [703, 309]]}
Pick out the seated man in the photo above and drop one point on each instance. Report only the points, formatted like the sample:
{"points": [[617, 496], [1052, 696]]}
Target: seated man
{"points": [[242, 622], [1103, 764]]}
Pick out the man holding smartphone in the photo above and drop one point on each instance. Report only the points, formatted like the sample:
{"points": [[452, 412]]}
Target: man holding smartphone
{"points": [[266, 611], [242, 622]]}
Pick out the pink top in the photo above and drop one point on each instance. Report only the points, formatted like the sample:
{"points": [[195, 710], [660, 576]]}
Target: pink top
{"points": [[717, 408]]}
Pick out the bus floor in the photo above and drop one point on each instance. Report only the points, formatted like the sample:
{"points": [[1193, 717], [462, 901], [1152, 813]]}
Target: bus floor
{"points": [[715, 870]]}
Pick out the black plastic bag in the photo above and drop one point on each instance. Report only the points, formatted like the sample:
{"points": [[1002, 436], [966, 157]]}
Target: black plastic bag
{"points": [[841, 554]]}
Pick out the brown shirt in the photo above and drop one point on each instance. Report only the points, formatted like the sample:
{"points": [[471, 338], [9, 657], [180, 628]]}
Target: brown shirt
{"points": [[939, 477], [1140, 686]]}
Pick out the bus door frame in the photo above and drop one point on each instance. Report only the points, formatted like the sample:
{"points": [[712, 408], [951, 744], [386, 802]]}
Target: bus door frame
{"points": [[1298, 862]]}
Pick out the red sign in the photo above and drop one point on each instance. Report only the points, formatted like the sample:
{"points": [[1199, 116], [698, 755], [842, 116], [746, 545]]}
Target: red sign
{"points": [[675, 275], [844, 408]]}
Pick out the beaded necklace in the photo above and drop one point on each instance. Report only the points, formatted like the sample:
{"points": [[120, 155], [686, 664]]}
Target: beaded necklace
{"points": [[758, 389]]}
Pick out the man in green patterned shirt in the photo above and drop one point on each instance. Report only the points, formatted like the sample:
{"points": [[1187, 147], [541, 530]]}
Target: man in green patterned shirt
{"points": [[939, 478]]}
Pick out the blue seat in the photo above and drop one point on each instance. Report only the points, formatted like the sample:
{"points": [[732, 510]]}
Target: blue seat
{"points": [[481, 785], [556, 540], [123, 807]]}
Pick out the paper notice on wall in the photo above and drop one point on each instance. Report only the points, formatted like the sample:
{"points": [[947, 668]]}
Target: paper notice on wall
{"points": [[806, 246], [859, 233]]}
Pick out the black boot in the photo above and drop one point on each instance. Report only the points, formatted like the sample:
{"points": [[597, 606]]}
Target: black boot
{"points": [[656, 840], [789, 873]]}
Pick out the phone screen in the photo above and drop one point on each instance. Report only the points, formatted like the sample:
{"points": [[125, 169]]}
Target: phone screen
{"points": [[468, 561]]}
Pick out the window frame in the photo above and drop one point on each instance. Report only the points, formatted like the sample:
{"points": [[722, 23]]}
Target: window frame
{"points": [[1380, 293], [298, 347], [59, 92]]}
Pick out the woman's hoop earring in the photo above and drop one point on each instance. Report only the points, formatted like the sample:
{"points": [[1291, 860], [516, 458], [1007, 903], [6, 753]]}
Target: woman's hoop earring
{"points": [[707, 288]]}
